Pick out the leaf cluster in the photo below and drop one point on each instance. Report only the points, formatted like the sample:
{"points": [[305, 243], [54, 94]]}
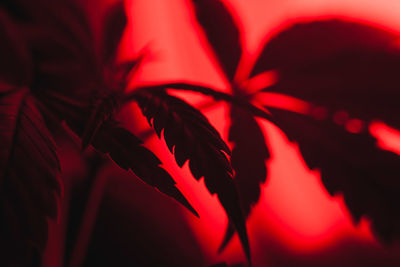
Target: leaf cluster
{"points": [[53, 73]]}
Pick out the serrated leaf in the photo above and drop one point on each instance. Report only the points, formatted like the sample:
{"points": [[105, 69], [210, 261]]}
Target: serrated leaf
{"points": [[191, 137], [339, 65], [126, 150], [350, 164], [113, 27], [15, 65], [351, 67], [222, 33], [249, 155], [29, 178], [68, 76]]}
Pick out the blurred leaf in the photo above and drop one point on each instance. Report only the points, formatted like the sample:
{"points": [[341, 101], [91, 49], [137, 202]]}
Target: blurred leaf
{"points": [[113, 27], [58, 37], [351, 67], [350, 164], [339, 65], [15, 65], [29, 179], [304, 43], [190, 136], [126, 150], [222, 33], [62, 18], [102, 111]]}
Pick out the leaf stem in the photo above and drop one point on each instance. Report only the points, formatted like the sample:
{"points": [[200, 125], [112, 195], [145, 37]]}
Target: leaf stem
{"points": [[217, 95]]}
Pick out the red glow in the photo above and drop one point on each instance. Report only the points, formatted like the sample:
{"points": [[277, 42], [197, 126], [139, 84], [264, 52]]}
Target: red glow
{"points": [[284, 102], [260, 81], [294, 208], [388, 138], [354, 125]]}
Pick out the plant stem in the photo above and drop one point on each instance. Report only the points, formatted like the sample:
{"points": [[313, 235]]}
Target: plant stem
{"points": [[90, 214], [217, 95]]}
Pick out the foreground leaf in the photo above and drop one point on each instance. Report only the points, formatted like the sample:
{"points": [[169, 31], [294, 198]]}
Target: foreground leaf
{"points": [[222, 33], [352, 165], [128, 152], [249, 156], [29, 179], [190, 136]]}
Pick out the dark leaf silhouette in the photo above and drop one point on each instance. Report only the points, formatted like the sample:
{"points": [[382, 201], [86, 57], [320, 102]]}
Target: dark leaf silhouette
{"points": [[15, 66], [191, 137], [248, 161], [30, 183], [222, 33], [64, 19], [339, 65], [128, 152], [224, 37], [351, 164], [69, 79], [348, 68], [102, 111], [113, 27], [305, 43], [59, 39], [105, 107]]}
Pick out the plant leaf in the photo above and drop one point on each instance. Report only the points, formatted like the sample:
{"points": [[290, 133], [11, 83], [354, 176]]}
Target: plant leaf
{"points": [[59, 39], [128, 152], [15, 65], [303, 43], [190, 136], [67, 75], [349, 67], [248, 161], [62, 18], [106, 106], [222, 33], [29, 179], [103, 110], [113, 27], [350, 164], [339, 65]]}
